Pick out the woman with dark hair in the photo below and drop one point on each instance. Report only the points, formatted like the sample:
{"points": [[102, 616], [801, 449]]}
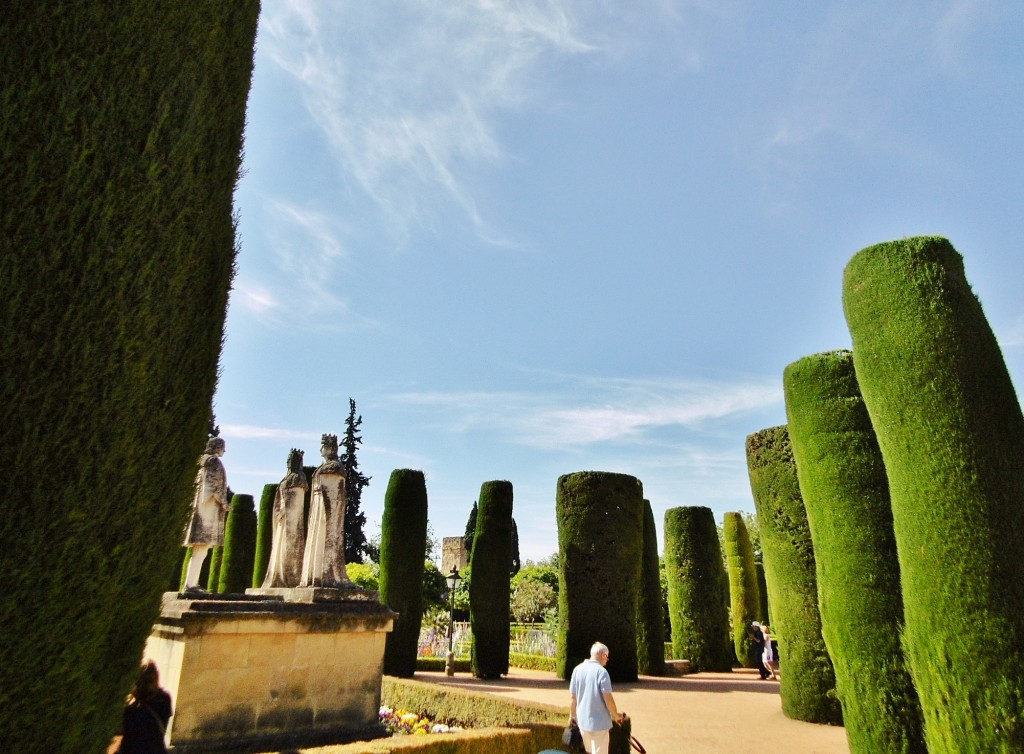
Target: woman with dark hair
{"points": [[146, 714]]}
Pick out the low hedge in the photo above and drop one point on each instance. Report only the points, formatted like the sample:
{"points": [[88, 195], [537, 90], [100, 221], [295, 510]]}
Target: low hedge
{"points": [[435, 664], [528, 738], [532, 662], [456, 706]]}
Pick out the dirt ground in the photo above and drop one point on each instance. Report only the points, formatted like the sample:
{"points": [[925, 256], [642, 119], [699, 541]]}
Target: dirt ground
{"points": [[703, 713]]}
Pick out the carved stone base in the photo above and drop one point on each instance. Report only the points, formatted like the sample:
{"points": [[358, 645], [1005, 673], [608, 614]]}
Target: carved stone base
{"points": [[260, 673]]}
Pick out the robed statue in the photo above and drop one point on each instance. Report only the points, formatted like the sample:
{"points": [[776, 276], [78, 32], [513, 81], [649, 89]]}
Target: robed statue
{"points": [[323, 563], [289, 527]]}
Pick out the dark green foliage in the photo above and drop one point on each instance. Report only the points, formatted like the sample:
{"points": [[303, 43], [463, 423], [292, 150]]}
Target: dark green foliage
{"points": [[516, 561], [600, 533], [435, 590], [846, 494], [650, 620], [120, 141], [236, 563], [212, 567], [403, 537], [489, 590], [696, 579], [762, 592], [355, 520], [264, 535], [951, 433], [470, 532], [745, 601], [808, 679]]}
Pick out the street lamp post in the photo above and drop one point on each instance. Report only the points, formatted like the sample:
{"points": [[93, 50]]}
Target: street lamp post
{"points": [[452, 580]]}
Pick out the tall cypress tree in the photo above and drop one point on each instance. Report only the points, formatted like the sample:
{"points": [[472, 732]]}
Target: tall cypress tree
{"points": [[650, 618], [696, 580], [403, 540], [745, 602], [489, 591], [239, 552], [120, 145], [808, 688], [846, 493], [516, 562], [950, 429], [470, 533], [264, 534], [355, 480]]}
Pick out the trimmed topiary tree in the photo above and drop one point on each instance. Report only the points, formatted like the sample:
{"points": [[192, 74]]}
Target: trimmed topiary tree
{"points": [[762, 592], [264, 535], [808, 686], [489, 590], [403, 540], [744, 599], [846, 494], [600, 532], [650, 617], [236, 561], [120, 145], [212, 566], [696, 580], [950, 429]]}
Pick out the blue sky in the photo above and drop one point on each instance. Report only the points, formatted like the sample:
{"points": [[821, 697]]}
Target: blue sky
{"points": [[533, 238]]}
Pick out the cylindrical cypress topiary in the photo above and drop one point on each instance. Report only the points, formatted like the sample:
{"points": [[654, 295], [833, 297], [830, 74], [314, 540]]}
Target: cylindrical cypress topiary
{"points": [[600, 530], [650, 618], [744, 600], [212, 568], [808, 686], [239, 546], [121, 132], [264, 535], [951, 433], [762, 592], [403, 544], [489, 590], [846, 494], [696, 580]]}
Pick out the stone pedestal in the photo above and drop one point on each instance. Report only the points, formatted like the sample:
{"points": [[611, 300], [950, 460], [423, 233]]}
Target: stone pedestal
{"points": [[257, 672]]}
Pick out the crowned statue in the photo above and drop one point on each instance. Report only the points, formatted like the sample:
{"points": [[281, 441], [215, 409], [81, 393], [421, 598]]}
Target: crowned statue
{"points": [[323, 563], [289, 527]]}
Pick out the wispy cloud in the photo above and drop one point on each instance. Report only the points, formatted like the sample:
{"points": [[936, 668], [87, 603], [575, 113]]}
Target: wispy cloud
{"points": [[591, 411], [255, 432]]}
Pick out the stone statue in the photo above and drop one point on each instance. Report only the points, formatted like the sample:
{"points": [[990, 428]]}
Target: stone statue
{"points": [[289, 534], [210, 507], [323, 564]]}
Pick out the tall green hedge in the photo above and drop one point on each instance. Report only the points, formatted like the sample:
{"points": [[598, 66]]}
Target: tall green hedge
{"points": [[650, 617], [744, 598], [808, 686], [762, 593], [236, 563], [951, 433], [489, 595], [846, 494], [403, 540], [120, 143], [696, 581], [600, 532], [212, 568], [264, 535]]}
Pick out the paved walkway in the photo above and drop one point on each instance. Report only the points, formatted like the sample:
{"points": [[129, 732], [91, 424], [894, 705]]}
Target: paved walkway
{"points": [[704, 713]]}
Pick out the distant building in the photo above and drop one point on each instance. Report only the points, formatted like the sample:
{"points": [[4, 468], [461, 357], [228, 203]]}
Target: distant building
{"points": [[453, 554]]}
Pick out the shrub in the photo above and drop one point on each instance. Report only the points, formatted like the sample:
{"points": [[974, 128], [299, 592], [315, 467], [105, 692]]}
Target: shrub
{"points": [[600, 529], [808, 680], [264, 535], [531, 599], [846, 493], [650, 618], [365, 575], [745, 602], [120, 145], [532, 662], [236, 562], [489, 589], [951, 433], [403, 540], [696, 580]]}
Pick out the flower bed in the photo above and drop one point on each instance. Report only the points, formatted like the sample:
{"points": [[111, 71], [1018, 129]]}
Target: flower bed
{"points": [[404, 723]]}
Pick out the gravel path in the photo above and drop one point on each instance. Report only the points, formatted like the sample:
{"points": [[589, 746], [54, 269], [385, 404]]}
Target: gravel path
{"points": [[703, 713]]}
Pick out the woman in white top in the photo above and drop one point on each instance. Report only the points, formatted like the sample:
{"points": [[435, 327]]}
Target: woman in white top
{"points": [[768, 657]]}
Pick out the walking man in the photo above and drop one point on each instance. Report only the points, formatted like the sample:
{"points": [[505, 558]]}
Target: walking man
{"points": [[591, 703]]}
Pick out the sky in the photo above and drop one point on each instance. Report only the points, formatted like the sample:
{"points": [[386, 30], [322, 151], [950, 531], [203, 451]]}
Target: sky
{"points": [[540, 237]]}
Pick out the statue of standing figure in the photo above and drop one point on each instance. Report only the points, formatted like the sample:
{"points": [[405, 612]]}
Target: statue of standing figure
{"points": [[323, 564], [210, 507], [289, 530]]}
